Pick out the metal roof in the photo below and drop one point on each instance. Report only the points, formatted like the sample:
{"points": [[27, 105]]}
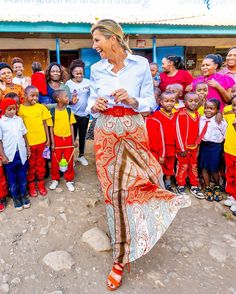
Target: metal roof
{"points": [[166, 12]]}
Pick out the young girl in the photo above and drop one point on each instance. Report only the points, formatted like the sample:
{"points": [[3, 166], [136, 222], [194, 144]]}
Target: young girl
{"points": [[18, 68], [14, 150], [202, 90], [230, 155], [79, 88], [211, 148], [178, 90]]}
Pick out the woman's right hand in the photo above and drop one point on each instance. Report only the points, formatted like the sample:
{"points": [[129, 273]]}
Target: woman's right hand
{"points": [[2, 86], [100, 105]]}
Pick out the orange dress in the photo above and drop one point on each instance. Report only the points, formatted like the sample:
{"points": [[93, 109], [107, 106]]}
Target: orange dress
{"points": [[16, 89]]}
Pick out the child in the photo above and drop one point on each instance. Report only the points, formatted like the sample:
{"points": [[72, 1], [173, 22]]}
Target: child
{"points": [[14, 149], [201, 89], [3, 188], [178, 90], [38, 79], [187, 125], [6, 82], [18, 68], [34, 116], [211, 148], [15, 97], [161, 132], [62, 140], [230, 155]]}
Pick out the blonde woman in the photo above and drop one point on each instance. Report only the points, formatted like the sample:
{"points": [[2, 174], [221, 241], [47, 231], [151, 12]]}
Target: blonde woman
{"points": [[139, 210]]}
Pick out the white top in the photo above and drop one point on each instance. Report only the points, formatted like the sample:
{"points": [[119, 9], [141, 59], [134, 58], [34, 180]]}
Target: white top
{"points": [[24, 81], [11, 135], [135, 78], [215, 132], [82, 91]]}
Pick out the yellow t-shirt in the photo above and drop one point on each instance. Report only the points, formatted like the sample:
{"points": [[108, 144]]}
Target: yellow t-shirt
{"points": [[33, 117], [62, 123], [201, 110], [230, 136]]}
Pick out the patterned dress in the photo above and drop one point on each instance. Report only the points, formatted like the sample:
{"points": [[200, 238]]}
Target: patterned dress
{"points": [[139, 209]]}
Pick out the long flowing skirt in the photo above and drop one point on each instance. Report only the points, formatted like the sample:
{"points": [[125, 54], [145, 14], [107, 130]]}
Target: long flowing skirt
{"points": [[139, 209]]}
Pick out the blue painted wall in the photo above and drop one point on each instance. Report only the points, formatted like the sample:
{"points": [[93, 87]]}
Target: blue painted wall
{"points": [[89, 57]]}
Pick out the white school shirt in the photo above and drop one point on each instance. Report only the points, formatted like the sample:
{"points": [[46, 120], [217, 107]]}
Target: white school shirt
{"points": [[135, 78], [215, 132], [82, 90], [11, 135]]}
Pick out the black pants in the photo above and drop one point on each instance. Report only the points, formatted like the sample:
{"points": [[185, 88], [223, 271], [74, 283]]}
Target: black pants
{"points": [[81, 125]]}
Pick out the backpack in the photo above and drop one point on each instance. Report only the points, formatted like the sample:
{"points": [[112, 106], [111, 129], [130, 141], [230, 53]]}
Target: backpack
{"points": [[52, 111]]}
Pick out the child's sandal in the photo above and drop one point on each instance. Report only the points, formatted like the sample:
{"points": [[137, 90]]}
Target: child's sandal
{"points": [[209, 195], [112, 283], [217, 196]]}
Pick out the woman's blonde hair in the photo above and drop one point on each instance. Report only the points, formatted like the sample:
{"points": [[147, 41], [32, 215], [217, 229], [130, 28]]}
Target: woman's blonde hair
{"points": [[108, 28]]}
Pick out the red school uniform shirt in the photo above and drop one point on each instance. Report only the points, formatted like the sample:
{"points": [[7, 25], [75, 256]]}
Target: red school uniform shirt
{"points": [[182, 77], [161, 133], [187, 129]]}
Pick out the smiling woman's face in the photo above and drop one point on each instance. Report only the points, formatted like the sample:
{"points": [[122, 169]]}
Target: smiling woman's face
{"points": [[231, 58], [208, 67], [101, 44]]}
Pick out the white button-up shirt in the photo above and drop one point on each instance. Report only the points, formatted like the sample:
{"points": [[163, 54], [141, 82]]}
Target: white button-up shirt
{"points": [[11, 135], [135, 78], [215, 132]]}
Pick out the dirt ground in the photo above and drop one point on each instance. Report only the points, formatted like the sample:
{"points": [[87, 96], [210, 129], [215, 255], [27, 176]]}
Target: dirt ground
{"points": [[196, 255]]}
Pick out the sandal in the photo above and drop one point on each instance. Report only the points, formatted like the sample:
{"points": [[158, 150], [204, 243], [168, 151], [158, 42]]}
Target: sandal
{"points": [[209, 195], [112, 283], [217, 196]]}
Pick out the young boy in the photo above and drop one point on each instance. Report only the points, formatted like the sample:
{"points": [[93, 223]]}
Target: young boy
{"points": [[202, 90], [14, 150], [230, 152], [187, 128], [178, 90], [35, 116], [62, 140], [161, 133]]}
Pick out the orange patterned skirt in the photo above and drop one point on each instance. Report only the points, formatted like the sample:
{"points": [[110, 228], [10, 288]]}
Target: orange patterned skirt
{"points": [[139, 209]]}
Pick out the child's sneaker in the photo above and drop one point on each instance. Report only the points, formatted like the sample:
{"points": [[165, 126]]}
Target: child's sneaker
{"points": [[196, 191], [32, 189], [217, 193], [181, 190], [18, 204], [83, 160], [169, 188], [2, 205], [70, 186], [209, 195], [26, 202], [42, 189], [53, 185], [230, 201]]}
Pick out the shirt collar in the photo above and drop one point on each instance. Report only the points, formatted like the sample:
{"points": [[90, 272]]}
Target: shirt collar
{"points": [[129, 57], [7, 118]]}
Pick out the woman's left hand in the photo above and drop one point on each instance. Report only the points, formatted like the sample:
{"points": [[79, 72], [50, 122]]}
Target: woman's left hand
{"points": [[213, 83], [121, 95]]}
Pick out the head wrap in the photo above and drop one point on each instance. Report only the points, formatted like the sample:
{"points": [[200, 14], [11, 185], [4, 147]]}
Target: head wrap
{"points": [[5, 65], [5, 103]]}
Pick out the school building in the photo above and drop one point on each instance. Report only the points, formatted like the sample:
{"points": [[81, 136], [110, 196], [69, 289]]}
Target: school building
{"points": [[59, 30]]}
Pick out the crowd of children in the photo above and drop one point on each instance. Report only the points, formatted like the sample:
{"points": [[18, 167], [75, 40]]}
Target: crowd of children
{"points": [[190, 139], [27, 129]]}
